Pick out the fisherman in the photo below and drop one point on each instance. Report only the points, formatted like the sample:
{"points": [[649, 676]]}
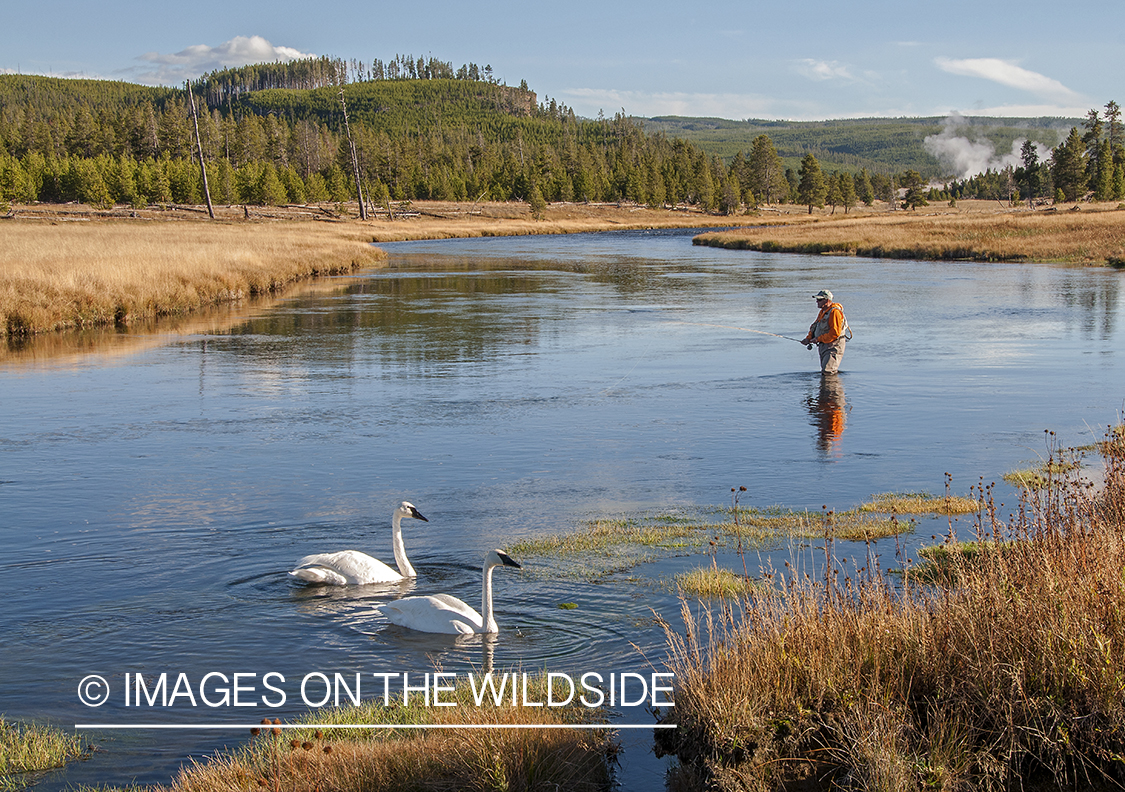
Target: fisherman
{"points": [[829, 332]]}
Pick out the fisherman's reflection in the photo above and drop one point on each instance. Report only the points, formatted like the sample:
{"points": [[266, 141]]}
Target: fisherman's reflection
{"points": [[827, 409]]}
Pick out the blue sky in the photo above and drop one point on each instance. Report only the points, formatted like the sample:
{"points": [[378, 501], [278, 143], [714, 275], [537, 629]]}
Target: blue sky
{"points": [[787, 59]]}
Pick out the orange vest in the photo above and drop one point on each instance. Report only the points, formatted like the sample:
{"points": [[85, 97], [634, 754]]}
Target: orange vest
{"points": [[829, 324]]}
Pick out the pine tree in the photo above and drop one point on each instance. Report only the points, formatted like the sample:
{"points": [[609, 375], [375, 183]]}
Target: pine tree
{"points": [[811, 189], [834, 196], [1028, 175], [15, 184], [1091, 140], [767, 174], [847, 192], [270, 187], [1115, 132], [1104, 173], [536, 202], [863, 188], [915, 194], [1069, 168], [730, 195]]}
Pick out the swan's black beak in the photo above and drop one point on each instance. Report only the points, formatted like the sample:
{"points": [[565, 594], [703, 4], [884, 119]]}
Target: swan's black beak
{"points": [[417, 515], [508, 560]]}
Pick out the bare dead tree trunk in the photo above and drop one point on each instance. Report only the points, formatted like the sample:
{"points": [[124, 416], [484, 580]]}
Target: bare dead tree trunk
{"points": [[199, 147], [355, 159]]}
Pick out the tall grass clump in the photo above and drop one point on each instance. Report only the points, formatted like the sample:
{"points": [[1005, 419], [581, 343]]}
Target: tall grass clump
{"points": [[26, 751], [1008, 674], [712, 581]]}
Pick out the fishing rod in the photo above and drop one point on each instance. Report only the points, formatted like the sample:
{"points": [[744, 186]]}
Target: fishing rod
{"points": [[745, 329]]}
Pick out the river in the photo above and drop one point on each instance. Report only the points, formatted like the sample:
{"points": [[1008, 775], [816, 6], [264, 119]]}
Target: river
{"points": [[153, 498]]}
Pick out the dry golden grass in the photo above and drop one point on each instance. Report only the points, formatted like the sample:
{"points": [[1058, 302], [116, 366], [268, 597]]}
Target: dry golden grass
{"points": [[1011, 675], [1092, 235], [73, 275]]}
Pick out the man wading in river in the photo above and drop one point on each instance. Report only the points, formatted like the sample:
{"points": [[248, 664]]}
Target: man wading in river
{"points": [[830, 331]]}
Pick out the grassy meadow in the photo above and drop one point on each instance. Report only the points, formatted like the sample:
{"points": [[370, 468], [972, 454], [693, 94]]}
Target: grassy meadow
{"points": [[80, 275], [1004, 671], [974, 230]]}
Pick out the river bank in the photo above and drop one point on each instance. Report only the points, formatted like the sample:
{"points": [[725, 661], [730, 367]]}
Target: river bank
{"points": [[1085, 234], [74, 266], [1002, 670]]}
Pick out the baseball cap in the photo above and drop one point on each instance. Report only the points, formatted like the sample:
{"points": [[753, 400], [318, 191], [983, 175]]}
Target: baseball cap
{"points": [[823, 294]]}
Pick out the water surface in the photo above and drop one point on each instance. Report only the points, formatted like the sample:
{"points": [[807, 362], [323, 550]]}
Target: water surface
{"points": [[152, 500]]}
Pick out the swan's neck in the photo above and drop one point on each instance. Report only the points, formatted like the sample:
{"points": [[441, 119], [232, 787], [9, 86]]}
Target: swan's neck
{"points": [[487, 619], [404, 567]]}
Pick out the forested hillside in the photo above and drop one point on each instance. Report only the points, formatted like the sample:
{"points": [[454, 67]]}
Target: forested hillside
{"points": [[881, 145], [275, 133], [420, 129]]}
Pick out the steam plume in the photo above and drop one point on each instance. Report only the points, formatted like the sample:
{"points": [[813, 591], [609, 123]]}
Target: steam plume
{"points": [[965, 158]]}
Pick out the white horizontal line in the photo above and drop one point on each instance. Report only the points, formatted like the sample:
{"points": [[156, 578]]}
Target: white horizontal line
{"points": [[307, 726]]}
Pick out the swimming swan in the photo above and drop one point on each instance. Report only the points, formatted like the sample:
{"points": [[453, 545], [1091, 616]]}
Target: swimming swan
{"points": [[442, 613], [352, 566]]}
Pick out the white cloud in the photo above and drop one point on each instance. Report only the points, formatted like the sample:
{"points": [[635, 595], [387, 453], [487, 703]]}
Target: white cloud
{"points": [[175, 68], [1011, 75], [824, 70]]}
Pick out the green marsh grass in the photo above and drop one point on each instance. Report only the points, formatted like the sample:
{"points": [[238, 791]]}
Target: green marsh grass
{"points": [[27, 750], [607, 546], [1010, 675], [712, 581]]}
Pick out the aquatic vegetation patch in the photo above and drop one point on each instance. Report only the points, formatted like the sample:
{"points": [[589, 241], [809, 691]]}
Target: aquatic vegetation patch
{"points": [[712, 581], [27, 750], [1041, 476], [919, 503], [607, 546]]}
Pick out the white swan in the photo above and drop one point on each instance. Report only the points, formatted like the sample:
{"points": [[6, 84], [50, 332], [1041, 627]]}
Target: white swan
{"points": [[352, 566], [441, 613]]}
